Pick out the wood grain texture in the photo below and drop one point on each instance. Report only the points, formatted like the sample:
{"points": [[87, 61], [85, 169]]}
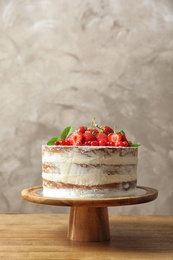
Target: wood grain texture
{"points": [[88, 224], [88, 219], [44, 236], [33, 194]]}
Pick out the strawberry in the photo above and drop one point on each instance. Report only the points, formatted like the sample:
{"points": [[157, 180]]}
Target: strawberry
{"points": [[88, 137], [93, 131], [82, 129], [124, 138], [106, 129], [115, 138], [75, 138], [102, 138]]}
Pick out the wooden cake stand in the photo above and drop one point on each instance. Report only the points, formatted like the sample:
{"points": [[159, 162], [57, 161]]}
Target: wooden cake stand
{"points": [[88, 220]]}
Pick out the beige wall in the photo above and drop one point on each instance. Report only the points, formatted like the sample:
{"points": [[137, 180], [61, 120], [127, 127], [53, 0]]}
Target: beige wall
{"points": [[63, 62]]}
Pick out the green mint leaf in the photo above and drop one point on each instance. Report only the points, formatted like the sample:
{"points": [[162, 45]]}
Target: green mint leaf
{"points": [[53, 140], [66, 132], [122, 132], [135, 145]]}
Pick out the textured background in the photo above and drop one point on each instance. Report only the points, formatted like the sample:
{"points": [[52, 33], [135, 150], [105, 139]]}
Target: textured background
{"points": [[64, 62]]}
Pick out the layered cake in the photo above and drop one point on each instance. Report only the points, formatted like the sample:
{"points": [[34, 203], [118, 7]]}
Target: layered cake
{"points": [[89, 163]]}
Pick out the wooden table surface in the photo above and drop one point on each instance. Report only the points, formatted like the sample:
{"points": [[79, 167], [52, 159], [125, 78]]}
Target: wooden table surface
{"points": [[43, 236]]}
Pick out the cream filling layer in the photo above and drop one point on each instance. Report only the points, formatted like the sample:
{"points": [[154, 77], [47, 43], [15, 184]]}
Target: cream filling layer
{"points": [[72, 157], [79, 193], [89, 179]]}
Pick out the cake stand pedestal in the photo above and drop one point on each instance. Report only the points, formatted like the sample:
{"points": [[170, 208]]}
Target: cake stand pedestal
{"points": [[89, 220]]}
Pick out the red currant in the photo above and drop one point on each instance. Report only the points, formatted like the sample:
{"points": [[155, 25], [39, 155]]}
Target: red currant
{"points": [[102, 143], [110, 144], [87, 143], [94, 143], [67, 142], [57, 143], [126, 143], [120, 143], [79, 143], [62, 142]]}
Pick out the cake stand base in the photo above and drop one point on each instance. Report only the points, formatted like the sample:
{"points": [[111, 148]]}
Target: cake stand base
{"points": [[88, 224], [89, 220]]}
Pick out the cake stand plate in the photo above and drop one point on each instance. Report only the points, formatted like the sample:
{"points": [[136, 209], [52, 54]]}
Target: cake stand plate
{"points": [[88, 220]]}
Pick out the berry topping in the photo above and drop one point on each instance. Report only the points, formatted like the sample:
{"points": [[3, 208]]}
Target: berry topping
{"points": [[125, 143], [102, 138], [75, 138], [62, 142], [94, 143], [115, 138], [94, 135], [102, 143], [93, 131], [106, 129], [88, 137], [79, 143], [82, 129]]}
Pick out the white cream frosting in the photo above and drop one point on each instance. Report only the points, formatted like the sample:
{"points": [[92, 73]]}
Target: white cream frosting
{"points": [[88, 166], [79, 193], [75, 157], [85, 176]]}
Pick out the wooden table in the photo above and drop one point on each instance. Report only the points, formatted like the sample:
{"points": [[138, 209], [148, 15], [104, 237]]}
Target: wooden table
{"points": [[44, 236]]}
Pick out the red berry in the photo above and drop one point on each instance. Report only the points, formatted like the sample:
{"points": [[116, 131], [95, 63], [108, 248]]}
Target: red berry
{"points": [[106, 129], [57, 143], [102, 137], [102, 143], [94, 143], [93, 131], [88, 137], [82, 129], [126, 143], [110, 143], [87, 143], [120, 143], [67, 142], [115, 138], [74, 138], [79, 143], [124, 138], [62, 142]]}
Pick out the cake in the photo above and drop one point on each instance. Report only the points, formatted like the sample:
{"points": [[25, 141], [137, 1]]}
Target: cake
{"points": [[90, 162]]}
